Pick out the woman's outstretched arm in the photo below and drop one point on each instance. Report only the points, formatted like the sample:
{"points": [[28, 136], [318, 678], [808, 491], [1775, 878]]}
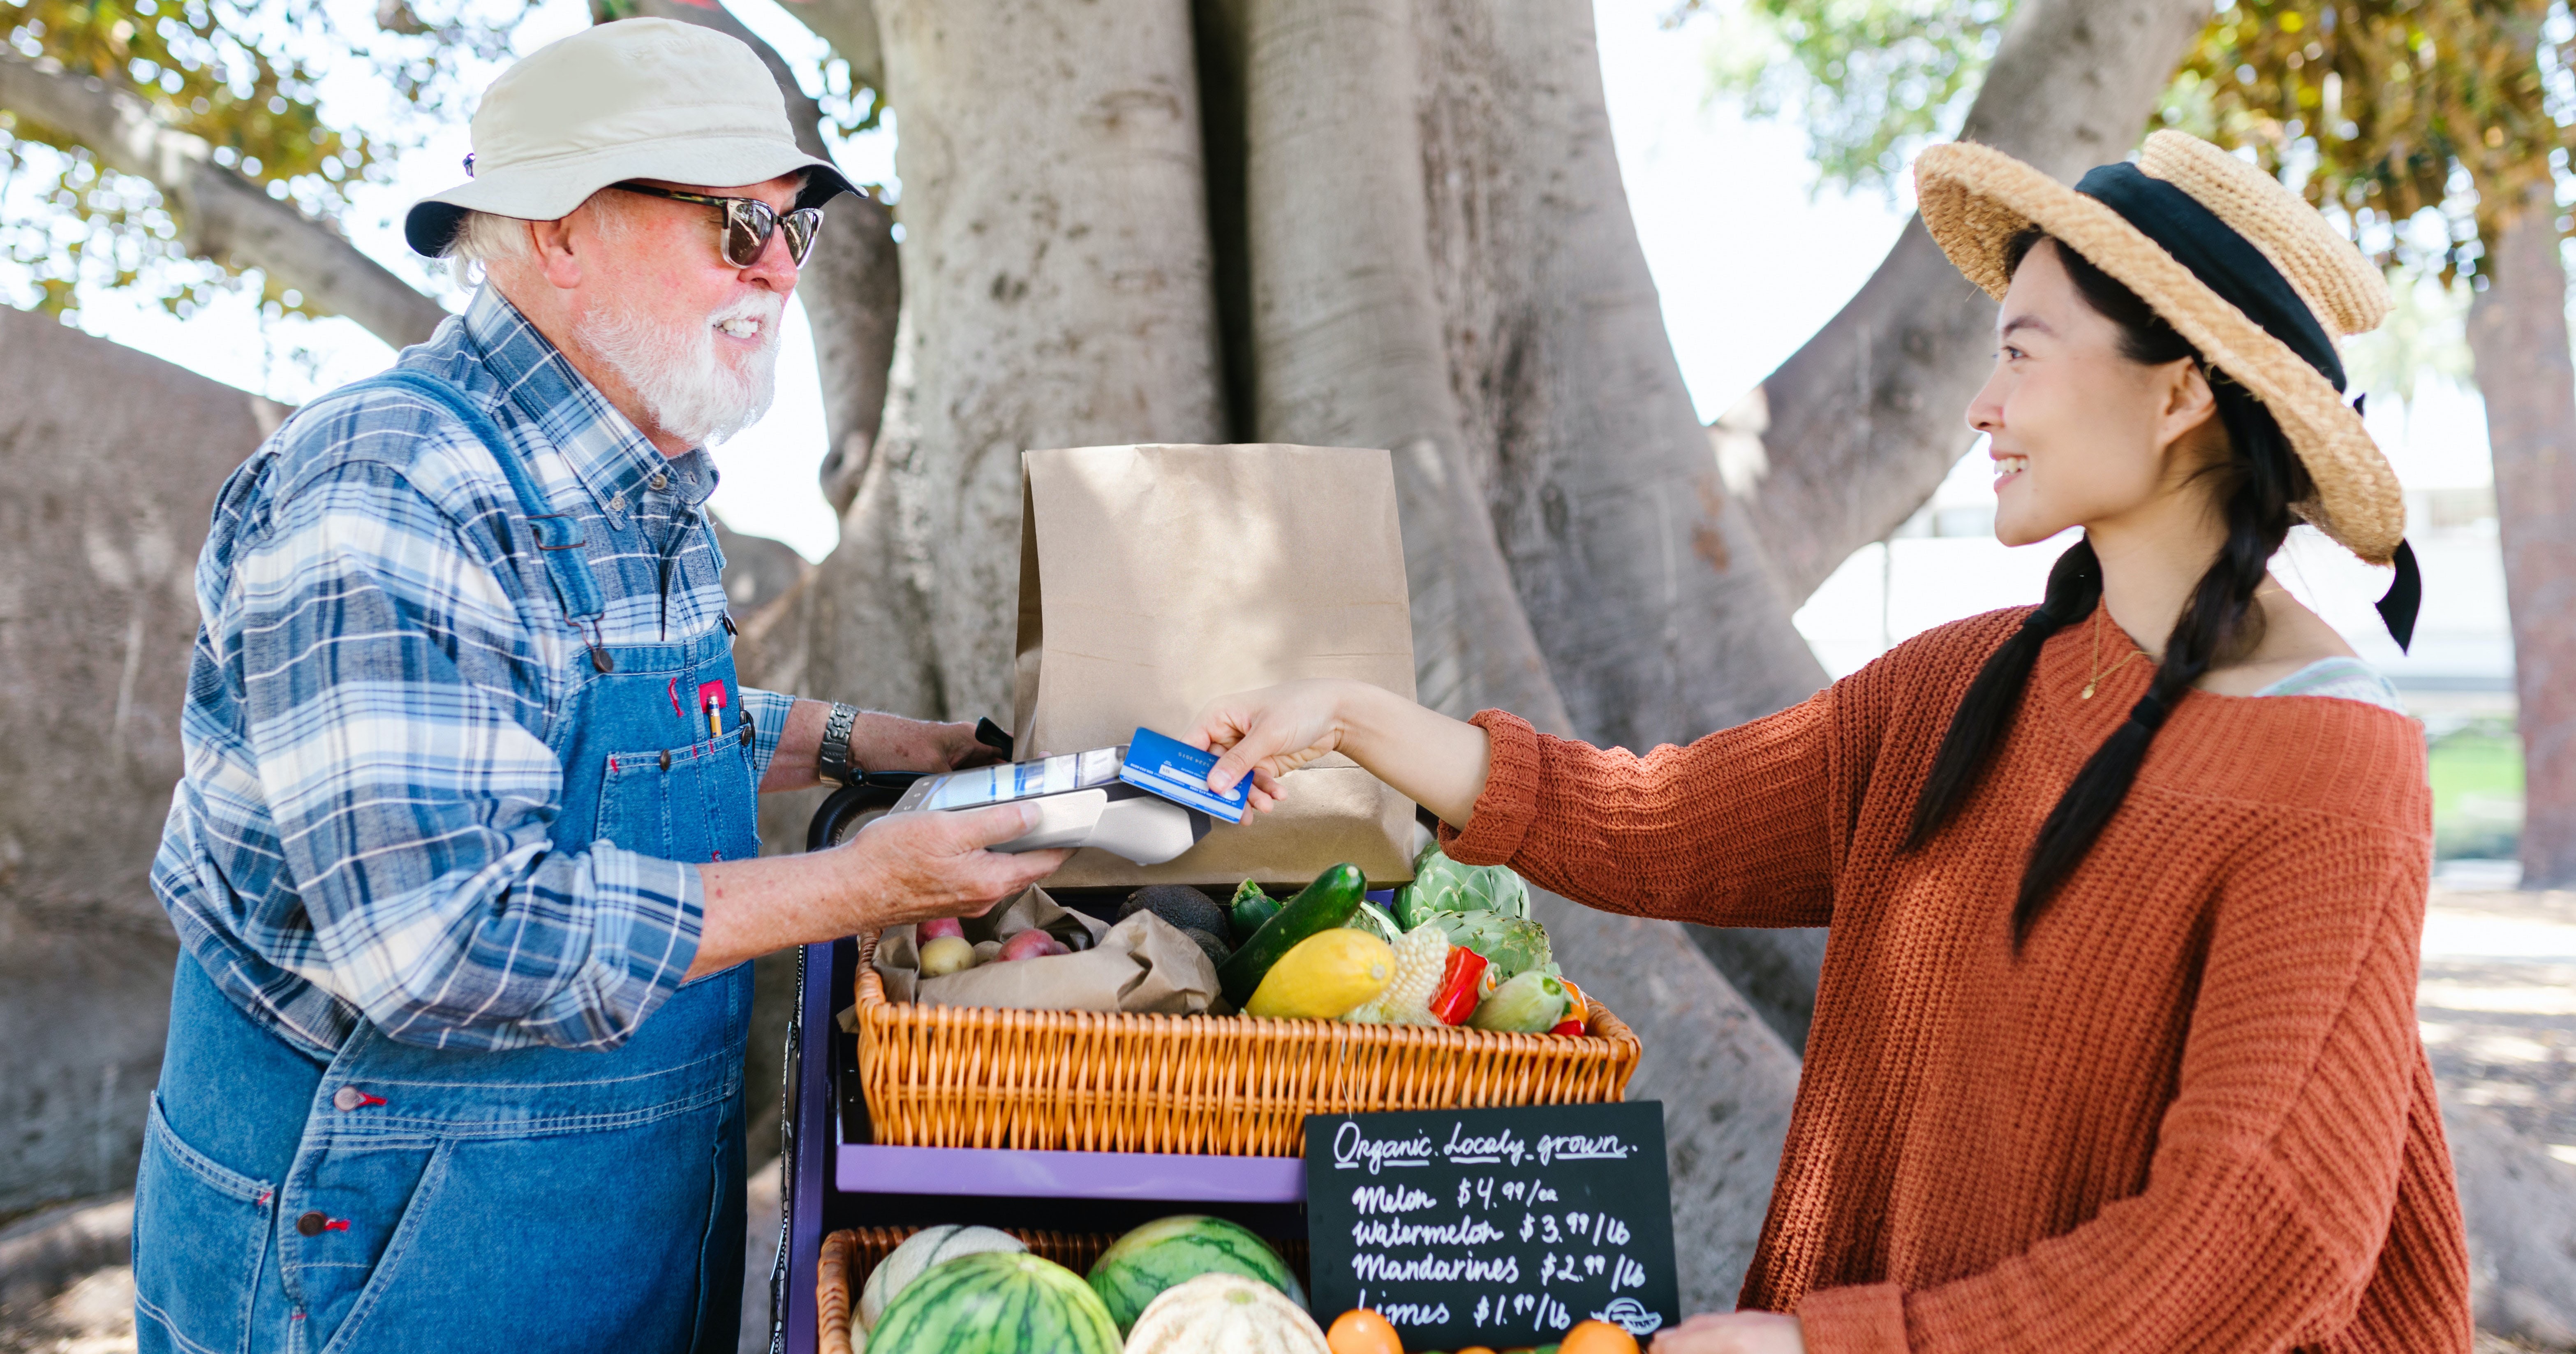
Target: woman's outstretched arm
{"points": [[1734, 830]]}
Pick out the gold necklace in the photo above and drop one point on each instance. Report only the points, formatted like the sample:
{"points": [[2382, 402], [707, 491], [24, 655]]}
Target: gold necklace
{"points": [[2098, 672]]}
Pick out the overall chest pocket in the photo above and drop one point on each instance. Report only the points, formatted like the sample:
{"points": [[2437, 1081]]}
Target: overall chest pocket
{"points": [[694, 803]]}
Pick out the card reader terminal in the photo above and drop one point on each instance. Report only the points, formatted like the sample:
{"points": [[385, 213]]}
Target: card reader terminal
{"points": [[1081, 801]]}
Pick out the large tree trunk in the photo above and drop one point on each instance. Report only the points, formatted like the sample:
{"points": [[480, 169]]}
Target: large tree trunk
{"points": [[2518, 337], [1346, 330], [113, 459], [1647, 588], [1869, 415]]}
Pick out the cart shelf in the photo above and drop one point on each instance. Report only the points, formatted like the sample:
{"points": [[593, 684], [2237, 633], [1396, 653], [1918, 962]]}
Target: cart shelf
{"points": [[861, 1168]]}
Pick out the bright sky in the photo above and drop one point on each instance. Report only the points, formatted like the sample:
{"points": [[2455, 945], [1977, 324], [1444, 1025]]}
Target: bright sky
{"points": [[1749, 261]]}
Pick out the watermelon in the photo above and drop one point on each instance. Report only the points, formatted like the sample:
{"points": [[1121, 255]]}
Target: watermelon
{"points": [[1228, 1314], [997, 1302], [920, 1251], [1170, 1251]]}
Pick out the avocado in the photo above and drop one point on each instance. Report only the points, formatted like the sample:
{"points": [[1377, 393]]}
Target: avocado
{"points": [[1185, 908]]}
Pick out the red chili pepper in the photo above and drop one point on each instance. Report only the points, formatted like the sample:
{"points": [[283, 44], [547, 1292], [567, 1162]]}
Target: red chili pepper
{"points": [[1456, 997], [1569, 1027]]}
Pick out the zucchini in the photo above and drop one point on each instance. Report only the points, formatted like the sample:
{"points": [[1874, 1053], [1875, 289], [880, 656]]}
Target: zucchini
{"points": [[1249, 909], [1329, 902]]}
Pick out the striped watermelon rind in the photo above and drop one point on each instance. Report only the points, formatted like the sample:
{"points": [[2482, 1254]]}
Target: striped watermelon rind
{"points": [[1169, 1251], [996, 1302], [918, 1253]]}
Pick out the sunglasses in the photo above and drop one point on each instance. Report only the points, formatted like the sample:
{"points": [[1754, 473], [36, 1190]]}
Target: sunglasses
{"points": [[748, 223]]}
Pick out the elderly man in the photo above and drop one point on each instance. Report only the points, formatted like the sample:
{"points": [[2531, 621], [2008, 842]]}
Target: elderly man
{"points": [[464, 859]]}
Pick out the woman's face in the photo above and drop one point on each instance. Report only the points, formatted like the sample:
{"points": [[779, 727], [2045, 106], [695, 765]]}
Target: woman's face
{"points": [[2081, 435]]}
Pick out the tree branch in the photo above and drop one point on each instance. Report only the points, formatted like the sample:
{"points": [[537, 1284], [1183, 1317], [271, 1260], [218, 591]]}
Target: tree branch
{"points": [[851, 27], [222, 214]]}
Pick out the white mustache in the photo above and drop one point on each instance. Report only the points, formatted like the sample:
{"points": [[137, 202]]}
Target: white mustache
{"points": [[758, 312]]}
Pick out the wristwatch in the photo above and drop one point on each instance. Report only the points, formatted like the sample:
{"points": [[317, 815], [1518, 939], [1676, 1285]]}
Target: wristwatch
{"points": [[832, 756]]}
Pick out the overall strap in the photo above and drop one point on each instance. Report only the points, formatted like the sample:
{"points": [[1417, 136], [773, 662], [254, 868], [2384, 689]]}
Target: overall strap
{"points": [[559, 538]]}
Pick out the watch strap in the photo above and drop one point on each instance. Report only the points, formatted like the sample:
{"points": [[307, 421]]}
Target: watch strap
{"points": [[832, 757]]}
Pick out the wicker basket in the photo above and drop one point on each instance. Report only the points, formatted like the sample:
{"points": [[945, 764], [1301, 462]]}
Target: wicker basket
{"points": [[959, 1076], [850, 1253]]}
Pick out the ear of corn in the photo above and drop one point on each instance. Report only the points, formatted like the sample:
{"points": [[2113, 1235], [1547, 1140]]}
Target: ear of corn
{"points": [[1420, 955]]}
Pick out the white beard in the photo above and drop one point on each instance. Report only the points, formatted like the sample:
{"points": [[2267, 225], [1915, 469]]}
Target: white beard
{"points": [[673, 366]]}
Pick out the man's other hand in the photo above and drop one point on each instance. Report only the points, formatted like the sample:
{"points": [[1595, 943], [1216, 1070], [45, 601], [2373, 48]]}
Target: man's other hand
{"points": [[916, 866]]}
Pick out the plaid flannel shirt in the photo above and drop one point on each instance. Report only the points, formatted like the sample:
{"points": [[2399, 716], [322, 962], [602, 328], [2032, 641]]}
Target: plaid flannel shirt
{"points": [[362, 826]]}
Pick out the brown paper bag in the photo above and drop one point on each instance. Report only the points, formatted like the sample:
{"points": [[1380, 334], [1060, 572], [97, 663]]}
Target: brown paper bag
{"points": [[1141, 965], [1156, 578]]}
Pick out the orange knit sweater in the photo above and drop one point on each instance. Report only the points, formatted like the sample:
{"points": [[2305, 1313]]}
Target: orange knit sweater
{"points": [[2194, 1114]]}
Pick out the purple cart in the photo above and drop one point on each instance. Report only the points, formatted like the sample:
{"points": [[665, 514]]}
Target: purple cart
{"points": [[837, 1177]]}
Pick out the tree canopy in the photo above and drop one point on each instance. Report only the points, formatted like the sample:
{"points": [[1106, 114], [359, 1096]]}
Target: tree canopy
{"points": [[2384, 111], [239, 83]]}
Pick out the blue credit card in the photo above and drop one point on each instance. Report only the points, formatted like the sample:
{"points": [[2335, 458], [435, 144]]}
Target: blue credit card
{"points": [[1179, 772]]}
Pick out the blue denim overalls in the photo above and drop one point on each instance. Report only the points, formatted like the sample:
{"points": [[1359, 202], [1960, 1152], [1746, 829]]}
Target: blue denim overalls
{"points": [[413, 1199]]}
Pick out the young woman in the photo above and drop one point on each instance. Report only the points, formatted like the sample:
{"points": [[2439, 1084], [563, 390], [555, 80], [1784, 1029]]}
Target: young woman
{"points": [[2115, 1044]]}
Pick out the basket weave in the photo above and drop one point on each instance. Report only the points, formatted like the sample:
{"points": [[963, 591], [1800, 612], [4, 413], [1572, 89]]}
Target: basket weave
{"points": [[1082, 1081], [849, 1254]]}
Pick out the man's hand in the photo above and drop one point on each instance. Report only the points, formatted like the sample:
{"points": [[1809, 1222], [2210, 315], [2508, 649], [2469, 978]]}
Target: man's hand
{"points": [[916, 866], [909, 867], [955, 747], [1733, 1333]]}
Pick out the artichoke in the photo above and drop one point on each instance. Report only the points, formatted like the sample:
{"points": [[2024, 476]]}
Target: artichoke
{"points": [[1443, 885], [1512, 945]]}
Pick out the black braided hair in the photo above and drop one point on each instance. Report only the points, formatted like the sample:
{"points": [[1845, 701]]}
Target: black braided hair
{"points": [[2255, 487]]}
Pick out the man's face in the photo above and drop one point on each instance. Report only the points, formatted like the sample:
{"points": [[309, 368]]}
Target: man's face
{"points": [[695, 336]]}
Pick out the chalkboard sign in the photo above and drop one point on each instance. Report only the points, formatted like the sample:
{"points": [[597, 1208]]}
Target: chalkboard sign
{"points": [[1494, 1227]]}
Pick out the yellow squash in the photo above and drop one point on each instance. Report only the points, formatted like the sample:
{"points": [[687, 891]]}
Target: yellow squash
{"points": [[1327, 974]]}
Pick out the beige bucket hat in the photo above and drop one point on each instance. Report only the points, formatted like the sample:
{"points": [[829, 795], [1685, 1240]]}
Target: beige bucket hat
{"points": [[2240, 266], [633, 99]]}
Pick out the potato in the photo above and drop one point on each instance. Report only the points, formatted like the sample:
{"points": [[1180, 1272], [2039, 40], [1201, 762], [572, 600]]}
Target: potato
{"points": [[1031, 945], [936, 927], [946, 955]]}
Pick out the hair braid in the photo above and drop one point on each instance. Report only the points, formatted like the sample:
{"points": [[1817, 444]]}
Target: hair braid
{"points": [[1985, 713]]}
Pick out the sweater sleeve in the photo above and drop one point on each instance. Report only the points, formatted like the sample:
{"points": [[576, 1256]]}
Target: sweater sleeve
{"points": [[2277, 1163], [1734, 830]]}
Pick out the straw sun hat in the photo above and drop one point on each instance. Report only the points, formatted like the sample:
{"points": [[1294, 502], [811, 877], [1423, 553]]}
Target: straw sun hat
{"points": [[2242, 268]]}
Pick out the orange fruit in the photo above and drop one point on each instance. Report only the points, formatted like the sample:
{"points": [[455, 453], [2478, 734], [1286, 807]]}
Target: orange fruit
{"points": [[1597, 1337], [1475, 1349], [1361, 1331]]}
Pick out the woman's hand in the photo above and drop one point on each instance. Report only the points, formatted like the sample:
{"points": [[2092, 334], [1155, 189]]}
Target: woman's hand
{"points": [[1268, 733], [1429, 758], [1733, 1333]]}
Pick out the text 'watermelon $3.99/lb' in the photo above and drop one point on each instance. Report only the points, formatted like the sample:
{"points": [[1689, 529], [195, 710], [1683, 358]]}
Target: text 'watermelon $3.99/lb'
{"points": [[997, 1302], [1168, 1252]]}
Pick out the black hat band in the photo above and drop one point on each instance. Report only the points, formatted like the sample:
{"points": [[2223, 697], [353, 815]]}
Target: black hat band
{"points": [[2224, 261]]}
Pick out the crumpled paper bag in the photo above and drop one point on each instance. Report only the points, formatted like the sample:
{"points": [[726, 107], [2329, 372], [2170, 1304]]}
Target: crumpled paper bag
{"points": [[1141, 965]]}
